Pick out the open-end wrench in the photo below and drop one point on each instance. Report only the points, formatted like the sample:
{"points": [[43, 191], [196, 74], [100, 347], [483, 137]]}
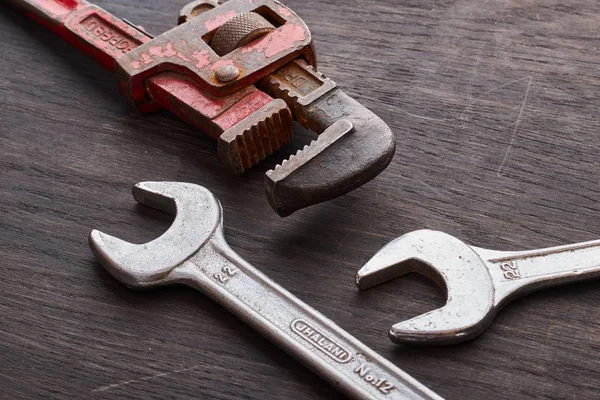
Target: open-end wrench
{"points": [[193, 251], [241, 71], [478, 282]]}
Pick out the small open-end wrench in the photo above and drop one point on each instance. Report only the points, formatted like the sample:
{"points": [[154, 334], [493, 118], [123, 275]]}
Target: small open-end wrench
{"points": [[194, 252], [241, 71], [478, 282]]}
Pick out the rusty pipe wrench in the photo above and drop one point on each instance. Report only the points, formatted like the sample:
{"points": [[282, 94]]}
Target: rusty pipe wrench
{"points": [[193, 251], [241, 72], [478, 282]]}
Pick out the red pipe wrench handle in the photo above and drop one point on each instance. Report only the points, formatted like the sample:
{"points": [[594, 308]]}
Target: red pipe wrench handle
{"points": [[85, 26], [249, 124], [48, 12]]}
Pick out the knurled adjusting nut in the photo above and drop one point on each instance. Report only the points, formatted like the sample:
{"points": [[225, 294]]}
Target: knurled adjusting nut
{"points": [[238, 31]]}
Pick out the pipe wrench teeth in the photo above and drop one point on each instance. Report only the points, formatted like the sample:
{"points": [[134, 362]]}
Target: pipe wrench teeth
{"points": [[256, 137], [289, 186]]}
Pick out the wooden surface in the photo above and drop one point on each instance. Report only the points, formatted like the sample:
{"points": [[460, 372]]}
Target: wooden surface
{"points": [[495, 109]]}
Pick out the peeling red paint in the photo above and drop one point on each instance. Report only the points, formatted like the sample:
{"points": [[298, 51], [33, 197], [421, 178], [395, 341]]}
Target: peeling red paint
{"points": [[186, 100], [182, 56], [104, 33], [146, 59], [89, 29], [277, 41], [219, 20], [242, 109], [189, 94], [203, 57], [57, 8], [285, 12], [158, 51], [221, 63]]}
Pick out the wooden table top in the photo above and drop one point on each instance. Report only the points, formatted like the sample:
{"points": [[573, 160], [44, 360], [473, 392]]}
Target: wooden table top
{"points": [[495, 109]]}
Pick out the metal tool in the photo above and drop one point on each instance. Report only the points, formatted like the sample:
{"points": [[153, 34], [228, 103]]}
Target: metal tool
{"points": [[478, 282], [239, 71], [194, 252]]}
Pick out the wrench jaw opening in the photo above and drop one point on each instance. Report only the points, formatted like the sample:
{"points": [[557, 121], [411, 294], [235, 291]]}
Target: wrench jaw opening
{"points": [[453, 266], [440, 327], [353, 147], [112, 254], [198, 215]]}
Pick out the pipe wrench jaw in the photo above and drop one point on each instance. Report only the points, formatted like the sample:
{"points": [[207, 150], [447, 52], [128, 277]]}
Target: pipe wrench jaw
{"points": [[353, 147]]}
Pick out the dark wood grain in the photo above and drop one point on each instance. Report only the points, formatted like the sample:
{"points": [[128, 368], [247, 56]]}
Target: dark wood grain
{"points": [[495, 109]]}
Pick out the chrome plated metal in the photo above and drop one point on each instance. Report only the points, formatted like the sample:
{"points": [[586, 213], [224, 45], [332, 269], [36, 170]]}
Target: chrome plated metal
{"points": [[194, 252], [478, 282]]}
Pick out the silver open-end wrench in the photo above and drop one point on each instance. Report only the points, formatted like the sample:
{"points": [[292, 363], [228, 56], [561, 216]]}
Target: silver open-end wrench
{"points": [[194, 252], [478, 282]]}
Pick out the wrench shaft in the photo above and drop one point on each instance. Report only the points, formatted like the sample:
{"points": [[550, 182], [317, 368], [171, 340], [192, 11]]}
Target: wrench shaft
{"points": [[303, 332], [517, 273], [87, 27]]}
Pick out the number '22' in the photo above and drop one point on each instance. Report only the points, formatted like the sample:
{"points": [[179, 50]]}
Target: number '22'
{"points": [[225, 275]]}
